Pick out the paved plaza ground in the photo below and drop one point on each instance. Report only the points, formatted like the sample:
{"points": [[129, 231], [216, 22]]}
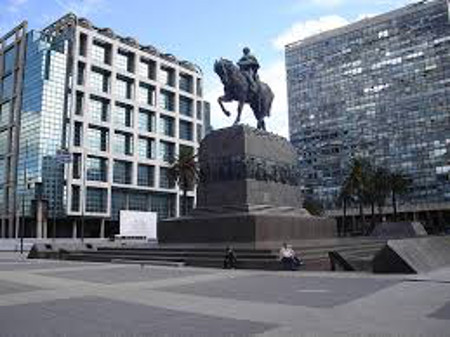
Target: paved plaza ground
{"points": [[59, 298]]}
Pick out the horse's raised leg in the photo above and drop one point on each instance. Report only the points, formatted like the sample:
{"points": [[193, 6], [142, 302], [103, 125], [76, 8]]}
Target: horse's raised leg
{"points": [[239, 112], [222, 99]]}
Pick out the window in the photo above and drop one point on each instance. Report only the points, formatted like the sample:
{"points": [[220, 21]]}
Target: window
{"points": [[138, 201], [98, 109], [146, 175], [3, 142], [79, 103], [147, 68], [99, 80], [96, 200], [4, 113], [163, 204], [96, 168], [167, 126], [165, 179], [123, 143], [185, 130], [81, 73], [199, 110], [97, 139], [122, 172], [124, 60], [146, 120], [101, 52], [9, 60], [124, 87], [167, 100], [76, 166], [7, 87], [186, 106], [166, 151], [118, 202], [83, 45], [146, 94], [186, 83], [77, 134], [146, 148], [75, 198], [123, 115], [167, 76]]}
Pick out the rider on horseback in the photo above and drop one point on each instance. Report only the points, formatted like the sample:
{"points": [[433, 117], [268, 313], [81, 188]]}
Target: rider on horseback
{"points": [[248, 64]]}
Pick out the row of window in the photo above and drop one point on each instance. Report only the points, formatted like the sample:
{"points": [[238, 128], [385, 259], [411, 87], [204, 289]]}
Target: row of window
{"points": [[96, 201], [97, 170], [98, 138], [101, 52], [144, 94]]}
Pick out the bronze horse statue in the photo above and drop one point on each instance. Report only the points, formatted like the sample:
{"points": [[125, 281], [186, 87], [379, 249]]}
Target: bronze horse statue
{"points": [[237, 88]]}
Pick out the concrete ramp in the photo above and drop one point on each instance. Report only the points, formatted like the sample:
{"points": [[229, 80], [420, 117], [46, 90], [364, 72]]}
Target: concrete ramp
{"points": [[413, 256], [405, 229]]}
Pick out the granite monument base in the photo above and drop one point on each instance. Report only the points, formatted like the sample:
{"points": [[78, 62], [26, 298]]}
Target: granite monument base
{"points": [[265, 224], [248, 192]]}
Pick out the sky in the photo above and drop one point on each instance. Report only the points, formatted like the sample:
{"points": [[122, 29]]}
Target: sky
{"points": [[202, 31]]}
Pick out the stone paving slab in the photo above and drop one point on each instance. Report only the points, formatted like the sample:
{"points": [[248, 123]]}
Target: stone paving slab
{"points": [[101, 299], [442, 313], [305, 291], [126, 274], [30, 265], [7, 287], [92, 316]]}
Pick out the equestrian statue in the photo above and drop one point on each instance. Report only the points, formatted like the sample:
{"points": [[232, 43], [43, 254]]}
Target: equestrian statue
{"points": [[242, 84]]}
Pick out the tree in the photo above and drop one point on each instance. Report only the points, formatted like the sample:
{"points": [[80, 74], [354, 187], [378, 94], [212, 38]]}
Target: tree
{"points": [[344, 197], [376, 190], [184, 171], [398, 184], [358, 182]]}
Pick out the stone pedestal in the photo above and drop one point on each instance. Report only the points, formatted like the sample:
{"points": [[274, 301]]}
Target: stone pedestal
{"points": [[247, 192]]}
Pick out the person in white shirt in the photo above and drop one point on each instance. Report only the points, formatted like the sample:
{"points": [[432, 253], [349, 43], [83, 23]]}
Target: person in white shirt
{"points": [[288, 258]]}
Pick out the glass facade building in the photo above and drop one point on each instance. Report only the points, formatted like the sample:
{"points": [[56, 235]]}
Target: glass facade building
{"points": [[377, 89], [89, 122]]}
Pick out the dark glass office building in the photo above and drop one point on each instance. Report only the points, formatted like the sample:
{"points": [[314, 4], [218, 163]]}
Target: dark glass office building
{"points": [[377, 89]]}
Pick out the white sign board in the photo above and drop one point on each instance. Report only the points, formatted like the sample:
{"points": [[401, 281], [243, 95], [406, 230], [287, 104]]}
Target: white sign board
{"points": [[138, 224]]}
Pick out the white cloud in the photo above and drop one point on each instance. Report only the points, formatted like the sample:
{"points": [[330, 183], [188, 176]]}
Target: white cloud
{"points": [[275, 76], [304, 29]]}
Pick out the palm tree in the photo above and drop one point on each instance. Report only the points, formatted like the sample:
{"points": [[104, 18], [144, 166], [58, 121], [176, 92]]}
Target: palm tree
{"points": [[358, 182], [343, 198], [376, 190], [399, 184], [382, 188], [184, 171]]}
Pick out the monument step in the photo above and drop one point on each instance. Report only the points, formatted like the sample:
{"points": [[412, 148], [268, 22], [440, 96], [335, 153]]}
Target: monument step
{"points": [[184, 254]]}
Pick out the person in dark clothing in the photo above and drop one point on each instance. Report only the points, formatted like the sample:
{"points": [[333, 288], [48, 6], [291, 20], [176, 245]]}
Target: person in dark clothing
{"points": [[230, 259]]}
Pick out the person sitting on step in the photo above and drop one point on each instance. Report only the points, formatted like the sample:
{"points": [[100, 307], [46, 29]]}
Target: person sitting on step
{"points": [[230, 259], [288, 257]]}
